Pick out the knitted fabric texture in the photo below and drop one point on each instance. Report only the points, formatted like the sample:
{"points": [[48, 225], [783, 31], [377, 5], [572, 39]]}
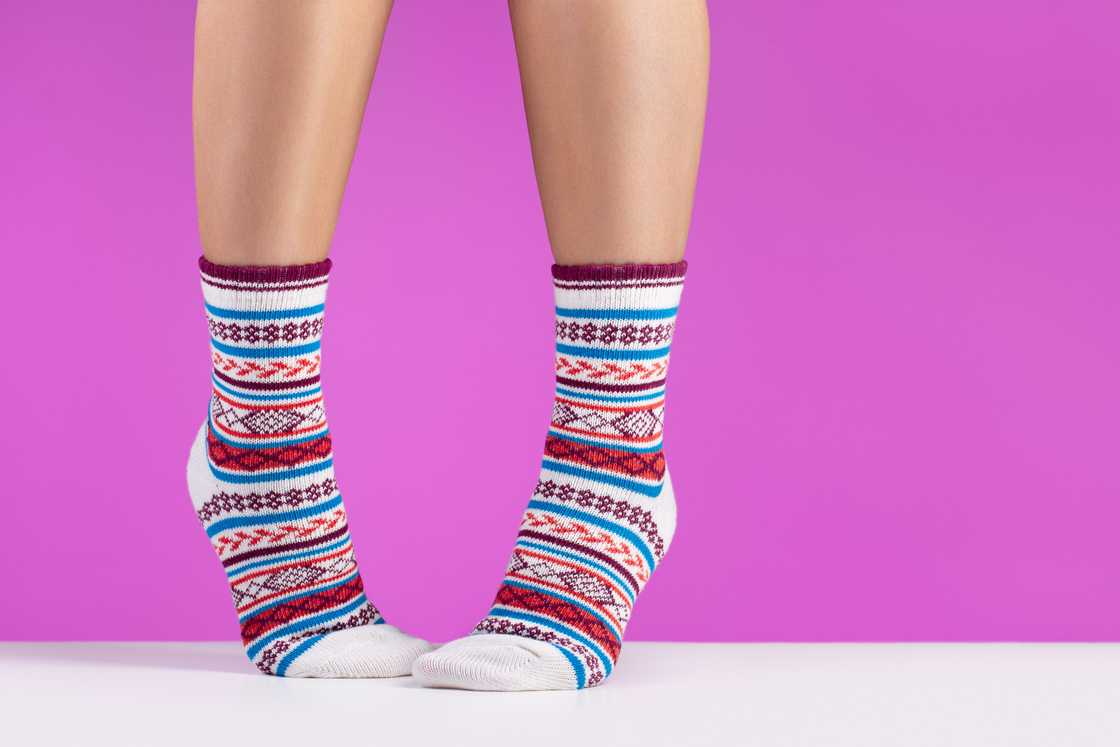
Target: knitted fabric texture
{"points": [[262, 480], [603, 512]]}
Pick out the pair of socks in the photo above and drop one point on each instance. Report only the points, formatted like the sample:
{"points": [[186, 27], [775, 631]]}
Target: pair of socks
{"points": [[600, 519]]}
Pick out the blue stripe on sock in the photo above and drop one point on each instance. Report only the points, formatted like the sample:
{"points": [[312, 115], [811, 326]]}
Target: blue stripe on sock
{"points": [[287, 352], [612, 355], [295, 515], [577, 665], [269, 476], [266, 314], [617, 313], [310, 622], [608, 398], [582, 561], [551, 593], [295, 652], [282, 559], [617, 447], [621, 531], [548, 622], [619, 482], [266, 397]]}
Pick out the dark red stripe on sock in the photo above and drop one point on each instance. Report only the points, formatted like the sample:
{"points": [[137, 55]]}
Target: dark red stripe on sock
{"points": [[614, 273], [565, 612], [267, 385], [596, 386], [239, 459], [266, 274], [274, 617], [641, 466], [619, 285]]}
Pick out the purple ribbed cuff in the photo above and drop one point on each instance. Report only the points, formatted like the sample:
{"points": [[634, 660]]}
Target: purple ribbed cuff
{"points": [[265, 273], [614, 273]]}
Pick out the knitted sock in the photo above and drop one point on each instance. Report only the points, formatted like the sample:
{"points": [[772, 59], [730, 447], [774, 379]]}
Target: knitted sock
{"points": [[261, 478], [603, 513]]}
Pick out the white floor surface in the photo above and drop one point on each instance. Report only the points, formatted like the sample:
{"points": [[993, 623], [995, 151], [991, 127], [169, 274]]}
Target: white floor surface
{"points": [[772, 695]]}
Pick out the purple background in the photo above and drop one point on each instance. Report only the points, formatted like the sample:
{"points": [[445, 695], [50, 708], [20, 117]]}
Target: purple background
{"points": [[894, 405]]}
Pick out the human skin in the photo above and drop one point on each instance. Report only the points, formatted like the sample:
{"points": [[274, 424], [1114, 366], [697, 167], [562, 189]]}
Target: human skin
{"points": [[615, 93], [279, 91]]}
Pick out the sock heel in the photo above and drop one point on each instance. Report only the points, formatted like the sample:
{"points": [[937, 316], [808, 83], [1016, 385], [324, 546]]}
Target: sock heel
{"points": [[665, 512], [200, 483]]}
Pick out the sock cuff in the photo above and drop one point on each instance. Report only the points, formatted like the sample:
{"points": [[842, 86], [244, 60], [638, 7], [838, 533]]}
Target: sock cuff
{"points": [[264, 275], [259, 288], [619, 273], [614, 291]]}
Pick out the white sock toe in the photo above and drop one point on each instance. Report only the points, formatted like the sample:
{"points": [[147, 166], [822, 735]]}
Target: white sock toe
{"points": [[367, 651], [496, 662]]}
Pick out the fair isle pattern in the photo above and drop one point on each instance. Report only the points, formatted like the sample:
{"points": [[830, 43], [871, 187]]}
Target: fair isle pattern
{"points": [[603, 512], [275, 516]]}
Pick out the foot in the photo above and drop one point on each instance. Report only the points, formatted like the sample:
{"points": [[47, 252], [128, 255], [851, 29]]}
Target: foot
{"points": [[603, 511], [261, 478]]}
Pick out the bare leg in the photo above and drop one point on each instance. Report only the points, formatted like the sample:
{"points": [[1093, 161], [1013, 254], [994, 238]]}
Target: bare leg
{"points": [[279, 91], [615, 93]]}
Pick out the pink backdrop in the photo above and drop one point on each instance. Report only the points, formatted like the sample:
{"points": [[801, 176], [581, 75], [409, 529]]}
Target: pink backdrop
{"points": [[894, 409]]}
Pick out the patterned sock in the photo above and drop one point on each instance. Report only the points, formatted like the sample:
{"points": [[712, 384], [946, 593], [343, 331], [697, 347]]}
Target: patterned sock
{"points": [[603, 513], [262, 480]]}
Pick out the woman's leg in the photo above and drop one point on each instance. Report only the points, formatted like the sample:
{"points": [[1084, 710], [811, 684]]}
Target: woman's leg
{"points": [[279, 90], [615, 94]]}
